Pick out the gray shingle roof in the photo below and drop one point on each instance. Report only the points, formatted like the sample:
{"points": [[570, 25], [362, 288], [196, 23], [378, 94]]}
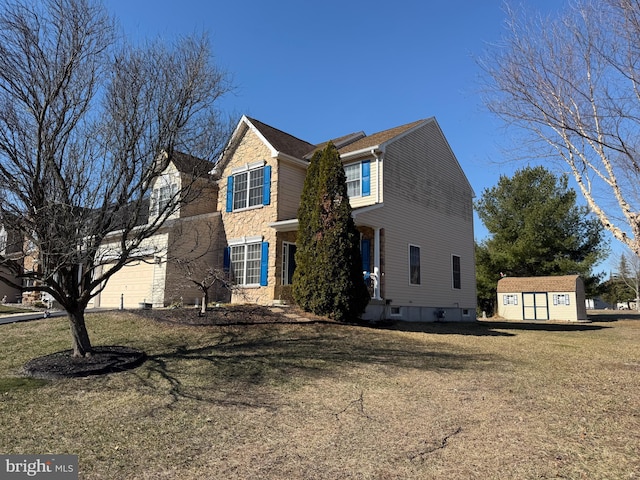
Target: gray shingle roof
{"points": [[186, 163], [282, 141]]}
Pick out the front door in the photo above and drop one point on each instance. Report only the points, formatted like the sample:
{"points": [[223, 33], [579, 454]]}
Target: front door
{"points": [[535, 306]]}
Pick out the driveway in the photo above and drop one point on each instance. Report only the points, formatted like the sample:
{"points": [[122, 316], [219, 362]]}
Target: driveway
{"points": [[23, 317]]}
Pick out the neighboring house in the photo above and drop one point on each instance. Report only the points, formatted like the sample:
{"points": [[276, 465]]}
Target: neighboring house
{"points": [[542, 298], [10, 246], [191, 237], [412, 204]]}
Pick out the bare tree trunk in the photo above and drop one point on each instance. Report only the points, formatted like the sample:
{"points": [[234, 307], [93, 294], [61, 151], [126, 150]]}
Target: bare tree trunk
{"points": [[81, 343]]}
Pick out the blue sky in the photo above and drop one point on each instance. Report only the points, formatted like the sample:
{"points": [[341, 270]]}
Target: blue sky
{"points": [[319, 70]]}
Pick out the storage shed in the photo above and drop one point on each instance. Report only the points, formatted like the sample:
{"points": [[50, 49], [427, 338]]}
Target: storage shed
{"points": [[542, 298]]}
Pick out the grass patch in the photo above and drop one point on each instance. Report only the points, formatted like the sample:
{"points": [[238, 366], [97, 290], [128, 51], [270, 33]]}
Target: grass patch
{"points": [[10, 310], [19, 383], [490, 400]]}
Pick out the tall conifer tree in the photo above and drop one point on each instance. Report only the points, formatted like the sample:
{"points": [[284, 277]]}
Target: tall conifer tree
{"points": [[328, 278]]}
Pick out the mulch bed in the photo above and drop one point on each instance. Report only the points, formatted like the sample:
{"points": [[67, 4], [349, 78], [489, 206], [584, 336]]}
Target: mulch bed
{"points": [[110, 359], [229, 315], [105, 359]]}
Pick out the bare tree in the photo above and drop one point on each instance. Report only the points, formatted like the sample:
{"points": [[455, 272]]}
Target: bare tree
{"points": [[629, 274], [198, 247], [88, 124], [571, 83]]}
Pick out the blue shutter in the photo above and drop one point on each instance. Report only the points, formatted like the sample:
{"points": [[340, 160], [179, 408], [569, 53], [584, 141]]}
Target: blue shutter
{"points": [[366, 178], [264, 264], [266, 186], [365, 249], [230, 193], [227, 259]]}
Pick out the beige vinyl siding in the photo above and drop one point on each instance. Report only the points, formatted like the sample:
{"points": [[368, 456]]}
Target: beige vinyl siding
{"points": [[428, 202], [12, 294], [133, 281], [289, 181], [202, 198], [198, 242]]}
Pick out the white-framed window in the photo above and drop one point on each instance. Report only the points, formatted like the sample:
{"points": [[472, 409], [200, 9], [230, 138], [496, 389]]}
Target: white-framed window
{"points": [[162, 196], [358, 178], [247, 188], [561, 299], [455, 272], [247, 261], [288, 262], [395, 311], [510, 299], [245, 264], [414, 265]]}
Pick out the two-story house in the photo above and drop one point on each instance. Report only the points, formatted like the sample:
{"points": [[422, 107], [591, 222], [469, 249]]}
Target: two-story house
{"points": [[185, 248], [411, 202]]}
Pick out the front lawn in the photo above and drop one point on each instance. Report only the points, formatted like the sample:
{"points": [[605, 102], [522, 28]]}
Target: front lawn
{"points": [[321, 400]]}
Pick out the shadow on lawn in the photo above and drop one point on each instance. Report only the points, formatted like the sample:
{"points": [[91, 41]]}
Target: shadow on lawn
{"points": [[489, 328], [248, 359]]}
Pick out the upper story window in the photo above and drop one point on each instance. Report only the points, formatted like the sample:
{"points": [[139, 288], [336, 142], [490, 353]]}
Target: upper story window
{"points": [[248, 187], [163, 196], [358, 178]]}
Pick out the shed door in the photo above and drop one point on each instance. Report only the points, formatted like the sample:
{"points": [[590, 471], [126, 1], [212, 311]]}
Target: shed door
{"points": [[535, 306]]}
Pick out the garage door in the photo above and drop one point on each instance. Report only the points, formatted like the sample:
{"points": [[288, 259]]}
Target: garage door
{"points": [[133, 281]]}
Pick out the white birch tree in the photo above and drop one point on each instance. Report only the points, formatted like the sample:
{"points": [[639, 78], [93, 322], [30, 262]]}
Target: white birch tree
{"points": [[571, 84]]}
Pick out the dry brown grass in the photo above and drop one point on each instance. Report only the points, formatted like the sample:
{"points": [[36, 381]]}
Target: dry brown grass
{"points": [[325, 401]]}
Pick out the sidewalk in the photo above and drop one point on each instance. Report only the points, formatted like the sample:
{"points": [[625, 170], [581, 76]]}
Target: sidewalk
{"points": [[23, 317]]}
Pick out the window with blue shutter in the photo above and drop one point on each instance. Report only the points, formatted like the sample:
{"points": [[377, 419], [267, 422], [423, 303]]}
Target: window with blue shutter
{"points": [[249, 188], [230, 194], [366, 178], [226, 265], [266, 187], [264, 264], [365, 250]]}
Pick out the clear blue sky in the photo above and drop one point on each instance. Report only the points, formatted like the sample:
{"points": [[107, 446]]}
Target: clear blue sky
{"points": [[322, 69]]}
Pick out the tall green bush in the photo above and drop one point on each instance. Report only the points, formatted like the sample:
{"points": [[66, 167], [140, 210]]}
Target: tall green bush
{"points": [[328, 278]]}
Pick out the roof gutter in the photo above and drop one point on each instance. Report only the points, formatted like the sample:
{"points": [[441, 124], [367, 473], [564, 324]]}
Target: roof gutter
{"points": [[362, 151]]}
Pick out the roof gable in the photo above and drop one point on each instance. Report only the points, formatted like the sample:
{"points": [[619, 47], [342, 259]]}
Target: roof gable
{"points": [[279, 141], [195, 166], [560, 283]]}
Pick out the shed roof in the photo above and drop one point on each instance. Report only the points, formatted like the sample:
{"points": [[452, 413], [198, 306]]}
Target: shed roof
{"points": [[560, 283]]}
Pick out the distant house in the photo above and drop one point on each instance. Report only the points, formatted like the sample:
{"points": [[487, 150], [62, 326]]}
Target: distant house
{"points": [[10, 247], [189, 242], [542, 298]]}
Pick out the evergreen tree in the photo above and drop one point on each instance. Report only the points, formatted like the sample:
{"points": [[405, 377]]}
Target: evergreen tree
{"points": [[305, 279], [328, 278], [535, 229]]}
